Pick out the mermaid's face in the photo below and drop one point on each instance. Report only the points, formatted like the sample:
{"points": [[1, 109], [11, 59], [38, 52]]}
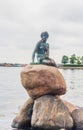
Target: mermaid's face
{"points": [[44, 38]]}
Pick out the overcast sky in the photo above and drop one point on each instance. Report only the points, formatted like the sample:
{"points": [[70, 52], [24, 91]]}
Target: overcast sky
{"points": [[22, 21]]}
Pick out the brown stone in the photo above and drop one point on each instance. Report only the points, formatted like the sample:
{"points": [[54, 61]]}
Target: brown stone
{"points": [[23, 118], [40, 80], [77, 116], [49, 112], [70, 106]]}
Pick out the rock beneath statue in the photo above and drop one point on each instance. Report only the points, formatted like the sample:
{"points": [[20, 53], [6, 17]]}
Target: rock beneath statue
{"points": [[77, 116], [23, 118], [49, 112], [48, 61], [39, 80]]}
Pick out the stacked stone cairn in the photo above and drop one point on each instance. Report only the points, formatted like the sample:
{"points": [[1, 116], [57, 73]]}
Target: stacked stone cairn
{"points": [[45, 110]]}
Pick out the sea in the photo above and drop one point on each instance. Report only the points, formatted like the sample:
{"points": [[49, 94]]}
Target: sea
{"points": [[13, 95]]}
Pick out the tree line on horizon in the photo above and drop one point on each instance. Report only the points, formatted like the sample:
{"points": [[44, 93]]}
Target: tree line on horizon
{"points": [[73, 59]]}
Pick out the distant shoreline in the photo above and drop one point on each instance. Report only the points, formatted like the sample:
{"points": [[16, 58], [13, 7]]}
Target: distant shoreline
{"points": [[60, 66], [12, 65], [69, 66]]}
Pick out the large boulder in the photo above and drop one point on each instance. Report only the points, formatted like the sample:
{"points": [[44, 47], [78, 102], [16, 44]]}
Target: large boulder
{"points": [[23, 118], [40, 80], [49, 112], [77, 116]]}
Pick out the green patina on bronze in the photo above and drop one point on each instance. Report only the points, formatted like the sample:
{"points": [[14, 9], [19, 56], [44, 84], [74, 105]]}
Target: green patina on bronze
{"points": [[41, 49]]}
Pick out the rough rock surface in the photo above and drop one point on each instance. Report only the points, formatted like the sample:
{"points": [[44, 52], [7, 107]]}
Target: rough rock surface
{"points": [[70, 106], [40, 80], [23, 118], [49, 112], [77, 116]]}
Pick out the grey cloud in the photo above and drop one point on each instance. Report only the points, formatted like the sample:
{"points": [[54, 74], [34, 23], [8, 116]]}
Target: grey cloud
{"points": [[21, 23], [64, 10], [17, 24]]}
